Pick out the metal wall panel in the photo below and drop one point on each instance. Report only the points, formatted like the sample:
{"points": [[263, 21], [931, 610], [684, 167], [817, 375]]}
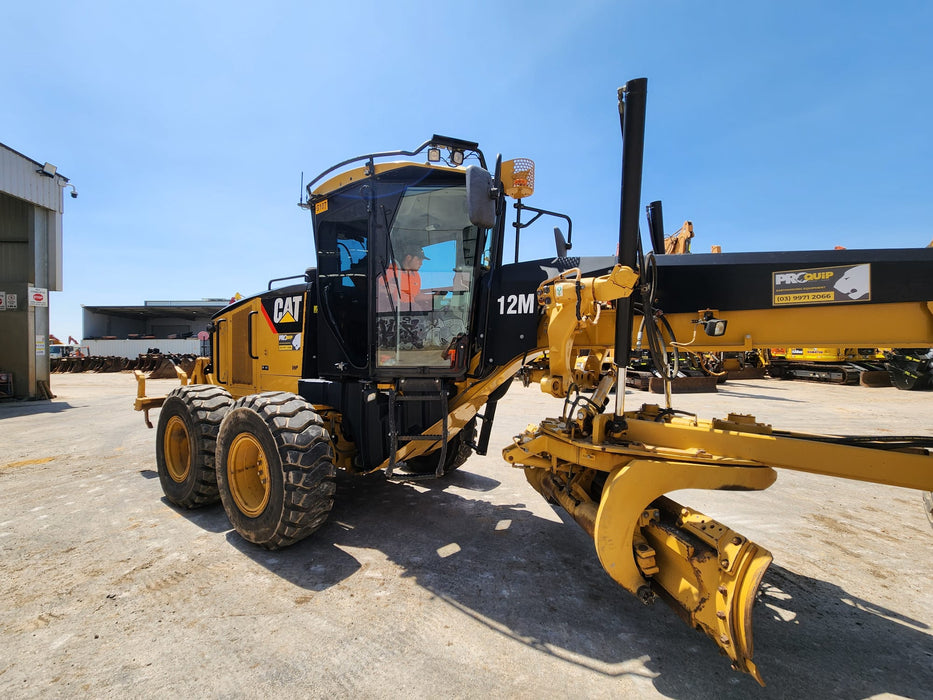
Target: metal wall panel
{"points": [[19, 178], [15, 260]]}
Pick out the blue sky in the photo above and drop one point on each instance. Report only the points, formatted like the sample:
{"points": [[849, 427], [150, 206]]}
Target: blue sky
{"points": [[186, 126]]}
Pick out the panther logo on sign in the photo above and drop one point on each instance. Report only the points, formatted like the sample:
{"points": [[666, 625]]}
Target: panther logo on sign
{"points": [[855, 283]]}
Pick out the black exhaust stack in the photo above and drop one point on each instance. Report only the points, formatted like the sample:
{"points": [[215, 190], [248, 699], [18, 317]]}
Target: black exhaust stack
{"points": [[632, 100], [656, 226]]}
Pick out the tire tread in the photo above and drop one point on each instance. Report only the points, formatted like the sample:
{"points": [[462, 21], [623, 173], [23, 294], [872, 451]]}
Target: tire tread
{"points": [[206, 405], [307, 457]]}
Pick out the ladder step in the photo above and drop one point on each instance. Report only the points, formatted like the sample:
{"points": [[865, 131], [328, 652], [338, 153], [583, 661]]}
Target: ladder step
{"points": [[405, 476], [423, 387]]}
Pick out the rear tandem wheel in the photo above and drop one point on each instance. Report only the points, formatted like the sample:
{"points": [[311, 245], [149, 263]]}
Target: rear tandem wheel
{"points": [[275, 469], [185, 440]]}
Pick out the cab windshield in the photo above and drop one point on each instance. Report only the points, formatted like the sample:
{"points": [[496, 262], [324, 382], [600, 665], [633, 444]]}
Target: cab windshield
{"points": [[424, 284]]}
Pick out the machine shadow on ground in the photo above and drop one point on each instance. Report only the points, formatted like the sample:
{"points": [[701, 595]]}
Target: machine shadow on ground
{"points": [[761, 397], [539, 583], [877, 651]]}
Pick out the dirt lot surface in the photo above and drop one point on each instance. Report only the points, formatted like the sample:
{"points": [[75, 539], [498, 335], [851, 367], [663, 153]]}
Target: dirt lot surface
{"points": [[467, 587]]}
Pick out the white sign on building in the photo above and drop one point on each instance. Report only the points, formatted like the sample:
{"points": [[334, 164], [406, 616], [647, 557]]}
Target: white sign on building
{"points": [[38, 296]]}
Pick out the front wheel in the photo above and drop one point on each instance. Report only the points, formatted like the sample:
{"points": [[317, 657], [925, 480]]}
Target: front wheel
{"points": [[275, 469]]}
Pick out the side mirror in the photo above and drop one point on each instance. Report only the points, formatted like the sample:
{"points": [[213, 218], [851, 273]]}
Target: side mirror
{"points": [[481, 199]]}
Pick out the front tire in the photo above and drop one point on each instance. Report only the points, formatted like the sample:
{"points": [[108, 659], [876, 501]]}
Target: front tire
{"points": [[186, 437], [275, 469]]}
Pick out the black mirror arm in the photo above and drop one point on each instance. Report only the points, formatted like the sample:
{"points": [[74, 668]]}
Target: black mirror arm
{"points": [[518, 224]]}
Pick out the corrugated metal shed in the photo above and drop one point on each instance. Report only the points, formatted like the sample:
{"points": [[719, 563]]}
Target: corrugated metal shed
{"points": [[30, 257], [155, 319], [178, 309], [134, 348]]}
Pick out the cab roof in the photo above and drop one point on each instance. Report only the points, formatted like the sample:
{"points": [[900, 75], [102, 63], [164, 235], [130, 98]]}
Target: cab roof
{"points": [[458, 151], [365, 172]]}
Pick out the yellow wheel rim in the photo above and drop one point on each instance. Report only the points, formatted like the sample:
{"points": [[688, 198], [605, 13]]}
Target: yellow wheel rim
{"points": [[248, 475], [176, 449]]}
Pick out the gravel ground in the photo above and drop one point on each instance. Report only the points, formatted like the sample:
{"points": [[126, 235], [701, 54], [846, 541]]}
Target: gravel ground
{"points": [[467, 587]]}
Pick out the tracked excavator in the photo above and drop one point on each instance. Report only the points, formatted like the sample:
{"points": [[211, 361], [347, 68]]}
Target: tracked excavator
{"points": [[361, 365], [850, 366]]}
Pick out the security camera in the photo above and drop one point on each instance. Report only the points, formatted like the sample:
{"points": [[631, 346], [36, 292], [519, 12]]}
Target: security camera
{"points": [[74, 194]]}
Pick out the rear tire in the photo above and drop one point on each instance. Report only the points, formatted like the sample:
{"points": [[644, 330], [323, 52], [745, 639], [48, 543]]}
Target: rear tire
{"points": [[275, 469], [186, 438], [458, 452]]}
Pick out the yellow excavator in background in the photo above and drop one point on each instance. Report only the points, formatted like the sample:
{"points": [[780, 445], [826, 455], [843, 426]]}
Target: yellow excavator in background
{"points": [[679, 241], [851, 366], [392, 353]]}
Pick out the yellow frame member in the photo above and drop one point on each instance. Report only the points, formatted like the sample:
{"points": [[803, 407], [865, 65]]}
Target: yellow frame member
{"points": [[199, 375]]}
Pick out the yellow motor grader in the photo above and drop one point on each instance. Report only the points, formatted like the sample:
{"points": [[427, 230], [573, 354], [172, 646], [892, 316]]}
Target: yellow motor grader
{"points": [[359, 364]]}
